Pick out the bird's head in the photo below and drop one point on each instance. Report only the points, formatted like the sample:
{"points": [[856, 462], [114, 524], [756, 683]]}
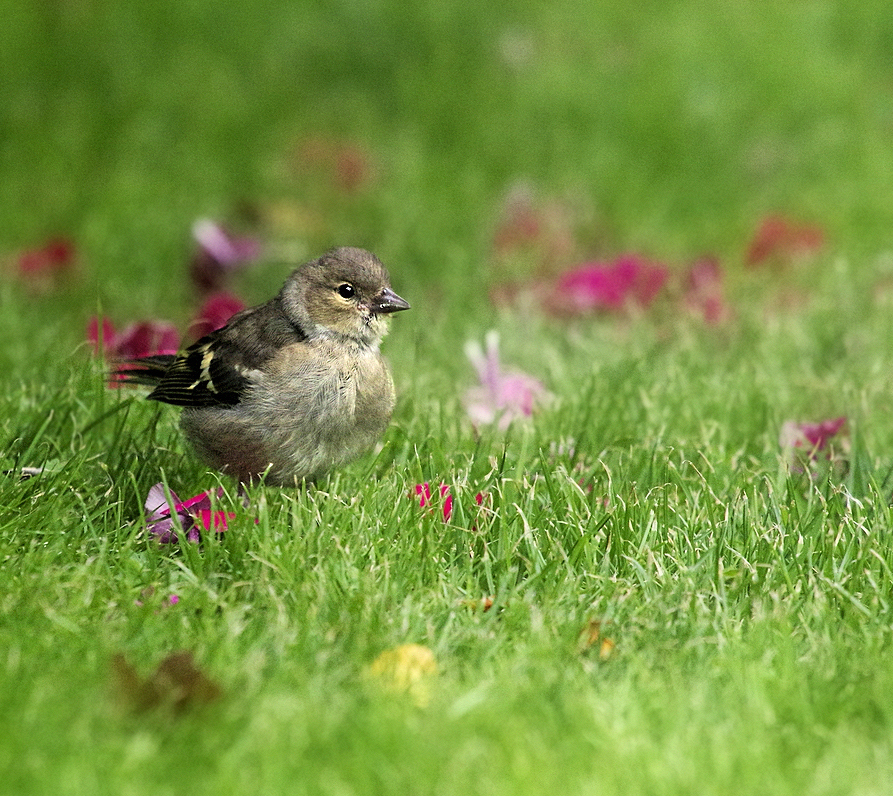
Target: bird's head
{"points": [[345, 293]]}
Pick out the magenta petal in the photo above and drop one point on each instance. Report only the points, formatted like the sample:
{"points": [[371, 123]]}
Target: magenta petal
{"points": [[809, 439], [147, 338], [189, 516], [610, 286], [199, 502], [160, 521], [818, 435], [107, 341], [502, 396], [424, 493], [216, 312], [214, 520]]}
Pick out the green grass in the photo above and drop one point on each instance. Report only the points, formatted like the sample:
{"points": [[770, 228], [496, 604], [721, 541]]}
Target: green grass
{"points": [[749, 605]]}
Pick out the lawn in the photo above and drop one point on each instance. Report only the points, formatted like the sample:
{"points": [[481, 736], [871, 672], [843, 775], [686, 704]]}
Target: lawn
{"points": [[668, 573]]}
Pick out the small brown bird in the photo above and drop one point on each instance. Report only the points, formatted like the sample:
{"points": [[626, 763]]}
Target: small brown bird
{"points": [[292, 388]]}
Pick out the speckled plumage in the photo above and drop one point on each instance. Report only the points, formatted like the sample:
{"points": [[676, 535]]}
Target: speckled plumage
{"points": [[294, 387]]}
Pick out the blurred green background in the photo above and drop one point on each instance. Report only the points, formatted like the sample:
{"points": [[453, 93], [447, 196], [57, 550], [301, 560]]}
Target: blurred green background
{"points": [[674, 126]]}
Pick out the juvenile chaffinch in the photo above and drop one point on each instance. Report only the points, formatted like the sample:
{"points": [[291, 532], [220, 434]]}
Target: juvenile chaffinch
{"points": [[291, 388]]}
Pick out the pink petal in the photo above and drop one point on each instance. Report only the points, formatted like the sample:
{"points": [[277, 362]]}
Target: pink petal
{"points": [[215, 313], [224, 248], [609, 286], [214, 520], [424, 493], [780, 238], [818, 435], [109, 339], [147, 338], [502, 396], [447, 502], [703, 286], [811, 437], [197, 503], [522, 222], [56, 255]]}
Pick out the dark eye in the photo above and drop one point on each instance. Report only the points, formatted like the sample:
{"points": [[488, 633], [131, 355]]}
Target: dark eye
{"points": [[346, 291]]}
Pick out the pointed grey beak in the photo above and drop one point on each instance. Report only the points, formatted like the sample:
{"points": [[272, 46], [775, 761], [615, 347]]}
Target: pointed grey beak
{"points": [[388, 301]]}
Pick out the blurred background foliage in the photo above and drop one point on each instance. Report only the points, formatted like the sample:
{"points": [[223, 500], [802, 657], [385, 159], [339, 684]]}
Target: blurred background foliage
{"points": [[679, 122]]}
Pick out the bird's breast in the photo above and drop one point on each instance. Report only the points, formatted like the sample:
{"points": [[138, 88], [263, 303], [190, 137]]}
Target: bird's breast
{"points": [[332, 385]]}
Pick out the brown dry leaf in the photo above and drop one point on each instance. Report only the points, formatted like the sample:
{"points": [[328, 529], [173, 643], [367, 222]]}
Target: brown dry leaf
{"points": [[406, 669], [484, 604], [591, 638], [177, 684]]}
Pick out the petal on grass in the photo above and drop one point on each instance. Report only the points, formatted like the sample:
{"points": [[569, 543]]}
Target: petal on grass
{"points": [[703, 291], [54, 256], [533, 235], [811, 437], [215, 313], [190, 517], [781, 239], [815, 447], [423, 493], [407, 669], [140, 339], [628, 281], [503, 396], [219, 253]]}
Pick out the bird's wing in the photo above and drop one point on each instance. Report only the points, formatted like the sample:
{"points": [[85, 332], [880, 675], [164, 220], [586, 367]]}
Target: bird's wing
{"points": [[217, 370], [210, 372]]}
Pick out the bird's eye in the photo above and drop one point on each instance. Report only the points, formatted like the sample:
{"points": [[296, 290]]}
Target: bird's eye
{"points": [[346, 291]]}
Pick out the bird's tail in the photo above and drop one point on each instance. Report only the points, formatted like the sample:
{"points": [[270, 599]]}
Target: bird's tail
{"points": [[147, 371]]}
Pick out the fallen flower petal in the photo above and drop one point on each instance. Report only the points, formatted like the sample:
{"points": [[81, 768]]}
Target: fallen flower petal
{"points": [[219, 253], [779, 238], [535, 235], [54, 256], [503, 396], [140, 339], [406, 669], [629, 280], [220, 245], [148, 595], [215, 313], [803, 442], [423, 492], [703, 290], [812, 437], [166, 518]]}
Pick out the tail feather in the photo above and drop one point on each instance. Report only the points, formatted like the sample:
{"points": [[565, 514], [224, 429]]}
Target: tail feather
{"points": [[148, 371]]}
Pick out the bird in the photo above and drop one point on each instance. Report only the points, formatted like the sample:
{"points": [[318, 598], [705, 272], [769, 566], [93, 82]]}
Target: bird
{"points": [[292, 388]]}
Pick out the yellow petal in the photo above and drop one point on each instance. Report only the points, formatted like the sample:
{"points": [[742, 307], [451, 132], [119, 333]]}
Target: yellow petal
{"points": [[406, 669]]}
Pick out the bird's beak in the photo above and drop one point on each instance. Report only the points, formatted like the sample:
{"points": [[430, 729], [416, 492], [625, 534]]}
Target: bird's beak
{"points": [[388, 301]]}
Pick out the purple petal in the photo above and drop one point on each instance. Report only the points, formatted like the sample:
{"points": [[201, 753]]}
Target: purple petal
{"points": [[157, 505], [223, 248]]}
